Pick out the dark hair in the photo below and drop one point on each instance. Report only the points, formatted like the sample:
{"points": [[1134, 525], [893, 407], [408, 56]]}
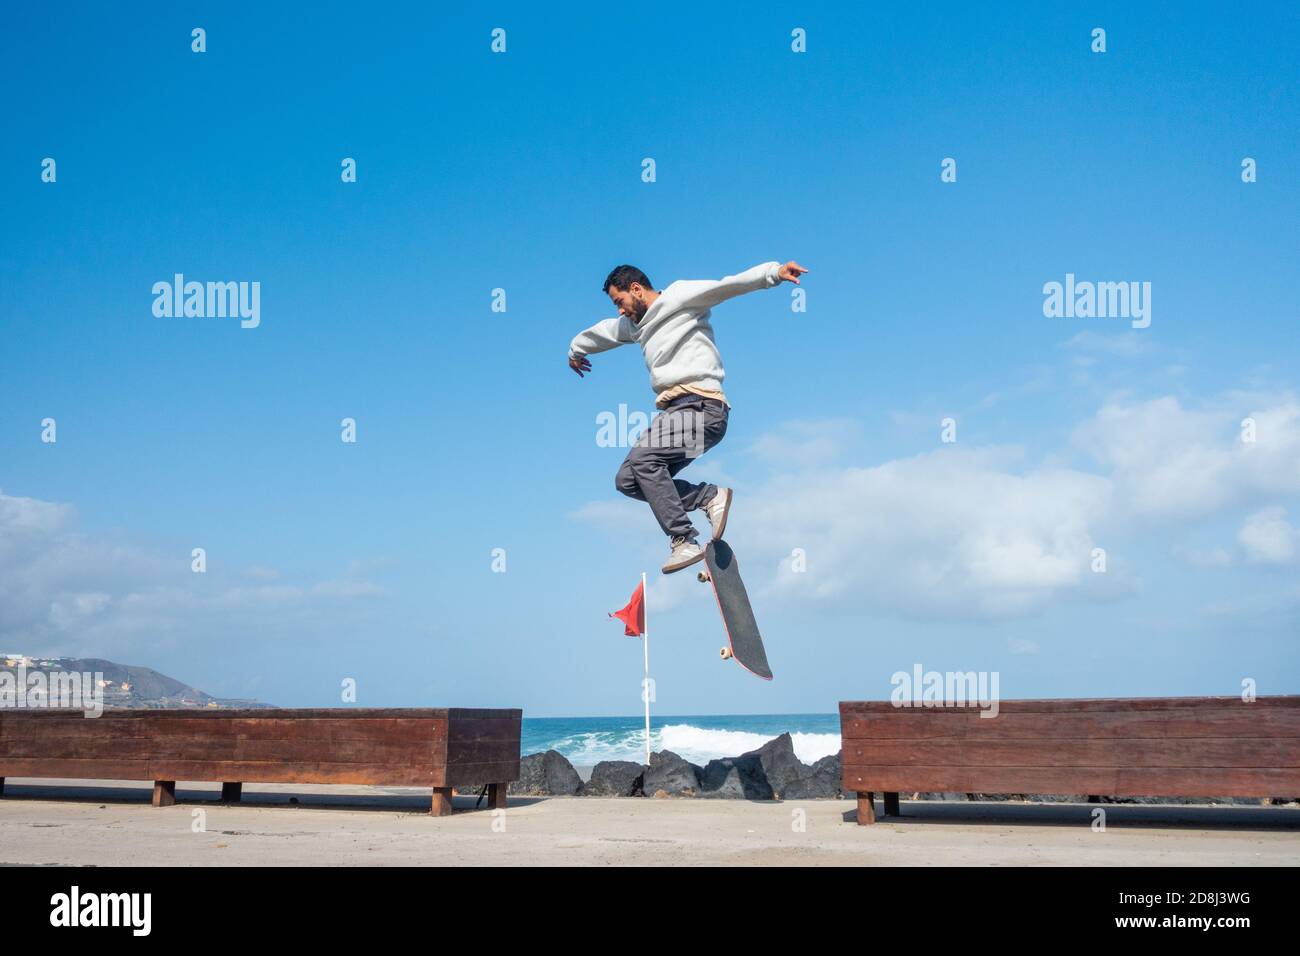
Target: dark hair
{"points": [[622, 277]]}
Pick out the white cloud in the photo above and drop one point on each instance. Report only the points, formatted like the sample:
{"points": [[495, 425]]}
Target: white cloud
{"points": [[952, 532], [66, 592], [1267, 537], [71, 610], [1165, 460], [1168, 461], [1271, 463]]}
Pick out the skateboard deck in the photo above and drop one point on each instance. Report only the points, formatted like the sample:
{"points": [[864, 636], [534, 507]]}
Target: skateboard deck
{"points": [[746, 644]]}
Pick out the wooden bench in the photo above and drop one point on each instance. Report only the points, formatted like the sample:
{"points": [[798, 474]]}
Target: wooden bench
{"points": [[1147, 746], [437, 748]]}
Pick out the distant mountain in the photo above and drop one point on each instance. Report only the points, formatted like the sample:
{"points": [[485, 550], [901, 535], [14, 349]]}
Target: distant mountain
{"points": [[129, 686]]}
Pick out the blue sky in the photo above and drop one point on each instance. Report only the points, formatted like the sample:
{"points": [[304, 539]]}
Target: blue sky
{"points": [[522, 171]]}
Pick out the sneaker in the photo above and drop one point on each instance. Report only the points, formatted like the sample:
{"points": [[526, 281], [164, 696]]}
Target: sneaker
{"points": [[685, 551], [717, 509]]}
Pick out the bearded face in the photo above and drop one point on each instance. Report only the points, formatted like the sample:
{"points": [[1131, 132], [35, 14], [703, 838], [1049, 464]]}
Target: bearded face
{"points": [[630, 302]]}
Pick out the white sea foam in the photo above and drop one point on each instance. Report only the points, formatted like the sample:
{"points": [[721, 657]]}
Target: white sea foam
{"points": [[696, 744], [589, 749]]}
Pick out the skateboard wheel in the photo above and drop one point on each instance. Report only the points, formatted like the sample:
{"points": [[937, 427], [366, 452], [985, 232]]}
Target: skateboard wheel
{"points": [[726, 653], [702, 576]]}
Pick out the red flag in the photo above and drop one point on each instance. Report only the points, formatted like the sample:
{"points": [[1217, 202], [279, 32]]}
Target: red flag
{"points": [[633, 616]]}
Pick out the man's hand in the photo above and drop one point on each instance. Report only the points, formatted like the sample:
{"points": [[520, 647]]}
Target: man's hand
{"points": [[790, 272], [580, 364]]}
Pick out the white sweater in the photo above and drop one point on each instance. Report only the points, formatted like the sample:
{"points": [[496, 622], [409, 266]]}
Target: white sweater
{"points": [[675, 335]]}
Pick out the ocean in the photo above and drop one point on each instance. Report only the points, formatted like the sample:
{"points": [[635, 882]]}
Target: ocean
{"points": [[585, 741]]}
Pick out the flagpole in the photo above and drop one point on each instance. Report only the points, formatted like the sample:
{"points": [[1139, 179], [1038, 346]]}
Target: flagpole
{"points": [[645, 685]]}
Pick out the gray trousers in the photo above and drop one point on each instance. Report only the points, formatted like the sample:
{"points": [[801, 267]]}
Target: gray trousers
{"points": [[683, 431]]}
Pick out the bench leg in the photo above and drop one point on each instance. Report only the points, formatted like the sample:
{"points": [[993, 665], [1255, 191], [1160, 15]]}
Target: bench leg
{"points": [[497, 796], [891, 805], [164, 793], [441, 802], [231, 792], [866, 807]]}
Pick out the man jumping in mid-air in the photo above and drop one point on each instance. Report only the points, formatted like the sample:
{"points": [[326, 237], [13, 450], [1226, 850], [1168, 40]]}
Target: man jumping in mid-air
{"points": [[672, 327]]}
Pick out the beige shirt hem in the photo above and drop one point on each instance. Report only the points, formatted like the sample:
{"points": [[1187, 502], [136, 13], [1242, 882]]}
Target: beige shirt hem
{"points": [[677, 391]]}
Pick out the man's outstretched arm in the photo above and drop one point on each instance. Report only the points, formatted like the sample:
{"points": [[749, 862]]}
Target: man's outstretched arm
{"points": [[601, 337], [706, 293]]}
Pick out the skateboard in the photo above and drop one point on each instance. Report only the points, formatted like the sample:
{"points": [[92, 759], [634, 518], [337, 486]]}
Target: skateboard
{"points": [[745, 644]]}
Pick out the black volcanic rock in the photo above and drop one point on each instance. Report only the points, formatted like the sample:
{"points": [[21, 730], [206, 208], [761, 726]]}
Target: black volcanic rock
{"points": [[672, 775], [546, 774], [736, 778], [822, 781], [780, 766], [944, 796], [615, 778], [831, 763]]}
